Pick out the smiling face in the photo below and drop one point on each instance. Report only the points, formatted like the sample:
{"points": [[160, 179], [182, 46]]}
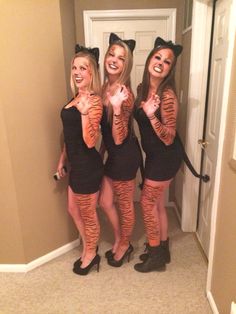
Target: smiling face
{"points": [[114, 61], [81, 73], [161, 63]]}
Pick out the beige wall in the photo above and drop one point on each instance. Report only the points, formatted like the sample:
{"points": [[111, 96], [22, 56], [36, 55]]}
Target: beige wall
{"points": [[224, 265], [34, 220], [68, 36]]}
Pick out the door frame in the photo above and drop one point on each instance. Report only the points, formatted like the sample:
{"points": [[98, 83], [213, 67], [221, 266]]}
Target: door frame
{"points": [[198, 73], [201, 27], [226, 89], [103, 15]]}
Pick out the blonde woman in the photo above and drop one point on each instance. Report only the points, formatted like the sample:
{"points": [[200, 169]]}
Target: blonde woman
{"points": [[81, 119], [124, 155]]}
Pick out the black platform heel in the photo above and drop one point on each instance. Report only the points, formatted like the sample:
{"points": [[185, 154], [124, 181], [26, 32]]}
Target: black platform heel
{"points": [[109, 254], [112, 262], [84, 271], [78, 262]]}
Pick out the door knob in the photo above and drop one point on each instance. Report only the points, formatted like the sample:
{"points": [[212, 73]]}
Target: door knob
{"points": [[203, 143]]}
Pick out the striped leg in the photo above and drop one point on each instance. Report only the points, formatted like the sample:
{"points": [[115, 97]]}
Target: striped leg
{"points": [[87, 204], [149, 198], [124, 191]]}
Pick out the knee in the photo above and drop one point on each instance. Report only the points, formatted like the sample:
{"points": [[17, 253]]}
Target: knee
{"points": [[104, 203], [72, 209]]}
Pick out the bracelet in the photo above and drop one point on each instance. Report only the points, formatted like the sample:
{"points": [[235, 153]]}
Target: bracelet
{"points": [[116, 115], [84, 114], [151, 117]]}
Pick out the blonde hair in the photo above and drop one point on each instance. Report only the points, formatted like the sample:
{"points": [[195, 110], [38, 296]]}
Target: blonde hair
{"points": [[124, 78], [95, 84]]}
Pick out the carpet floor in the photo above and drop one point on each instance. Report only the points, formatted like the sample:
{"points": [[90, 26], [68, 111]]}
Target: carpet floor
{"points": [[54, 289]]}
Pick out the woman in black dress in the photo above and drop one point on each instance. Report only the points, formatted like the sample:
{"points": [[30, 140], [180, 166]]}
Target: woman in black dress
{"points": [[156, 113], [124, 155], [81, 119]]}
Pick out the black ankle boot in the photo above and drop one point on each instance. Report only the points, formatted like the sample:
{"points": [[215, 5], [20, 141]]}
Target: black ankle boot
{"points": [[154, 261], [144, 256], [164, 245]]}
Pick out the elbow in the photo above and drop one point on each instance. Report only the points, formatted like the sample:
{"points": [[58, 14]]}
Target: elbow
{"points": [[118, 142], [89, 143], [169, 141]]}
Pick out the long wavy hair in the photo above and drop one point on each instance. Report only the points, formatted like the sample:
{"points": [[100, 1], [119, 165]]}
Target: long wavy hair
{"points": [[123, 79], [95, 84], [168, 81]]}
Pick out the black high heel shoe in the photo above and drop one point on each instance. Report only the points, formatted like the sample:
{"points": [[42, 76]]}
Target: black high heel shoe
{"points": [[109, 254], [112, 262], [79, 261], [84, 271]]}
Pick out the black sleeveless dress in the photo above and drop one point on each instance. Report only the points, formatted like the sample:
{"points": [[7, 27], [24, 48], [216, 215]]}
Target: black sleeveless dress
{"points": [[123, 160], [162, 161], [86, 166]]}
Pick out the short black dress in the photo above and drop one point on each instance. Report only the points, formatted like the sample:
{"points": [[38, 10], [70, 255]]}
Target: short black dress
{"points": [[123, 160], [86, 166], [162, 161]]}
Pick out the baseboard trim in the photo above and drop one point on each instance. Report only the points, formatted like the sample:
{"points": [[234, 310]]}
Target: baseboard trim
{"points": [[24, 268], [212, 302]]}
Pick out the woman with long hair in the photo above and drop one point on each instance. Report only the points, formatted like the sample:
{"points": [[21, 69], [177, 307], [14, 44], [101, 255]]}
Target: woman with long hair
{"points": [[81, 119], [124, 155], [156, 114]]}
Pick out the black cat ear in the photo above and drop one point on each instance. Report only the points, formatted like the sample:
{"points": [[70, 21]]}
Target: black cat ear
{"points": [[113, 38], [159, 42], [95, 52], [78, 48], [177, 50], [131, 44]]}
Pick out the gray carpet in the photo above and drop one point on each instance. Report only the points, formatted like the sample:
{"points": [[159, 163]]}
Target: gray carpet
{"points": [[54, 289]]}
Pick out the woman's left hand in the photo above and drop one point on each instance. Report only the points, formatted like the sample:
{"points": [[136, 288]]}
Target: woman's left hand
{"points": [[151, 105], [117, 99]]}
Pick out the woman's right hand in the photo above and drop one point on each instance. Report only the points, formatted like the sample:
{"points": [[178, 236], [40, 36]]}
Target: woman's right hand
{"points": [[82, 102], [61, 169], [151, 105], [121, 94]]}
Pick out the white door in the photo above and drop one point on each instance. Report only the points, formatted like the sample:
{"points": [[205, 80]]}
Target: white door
{"points": [[216, 87], [142, 25]]}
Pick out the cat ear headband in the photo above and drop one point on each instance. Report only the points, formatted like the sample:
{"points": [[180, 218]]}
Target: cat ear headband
{"points": [[130, 42], [177, 49], [92, 51]]}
